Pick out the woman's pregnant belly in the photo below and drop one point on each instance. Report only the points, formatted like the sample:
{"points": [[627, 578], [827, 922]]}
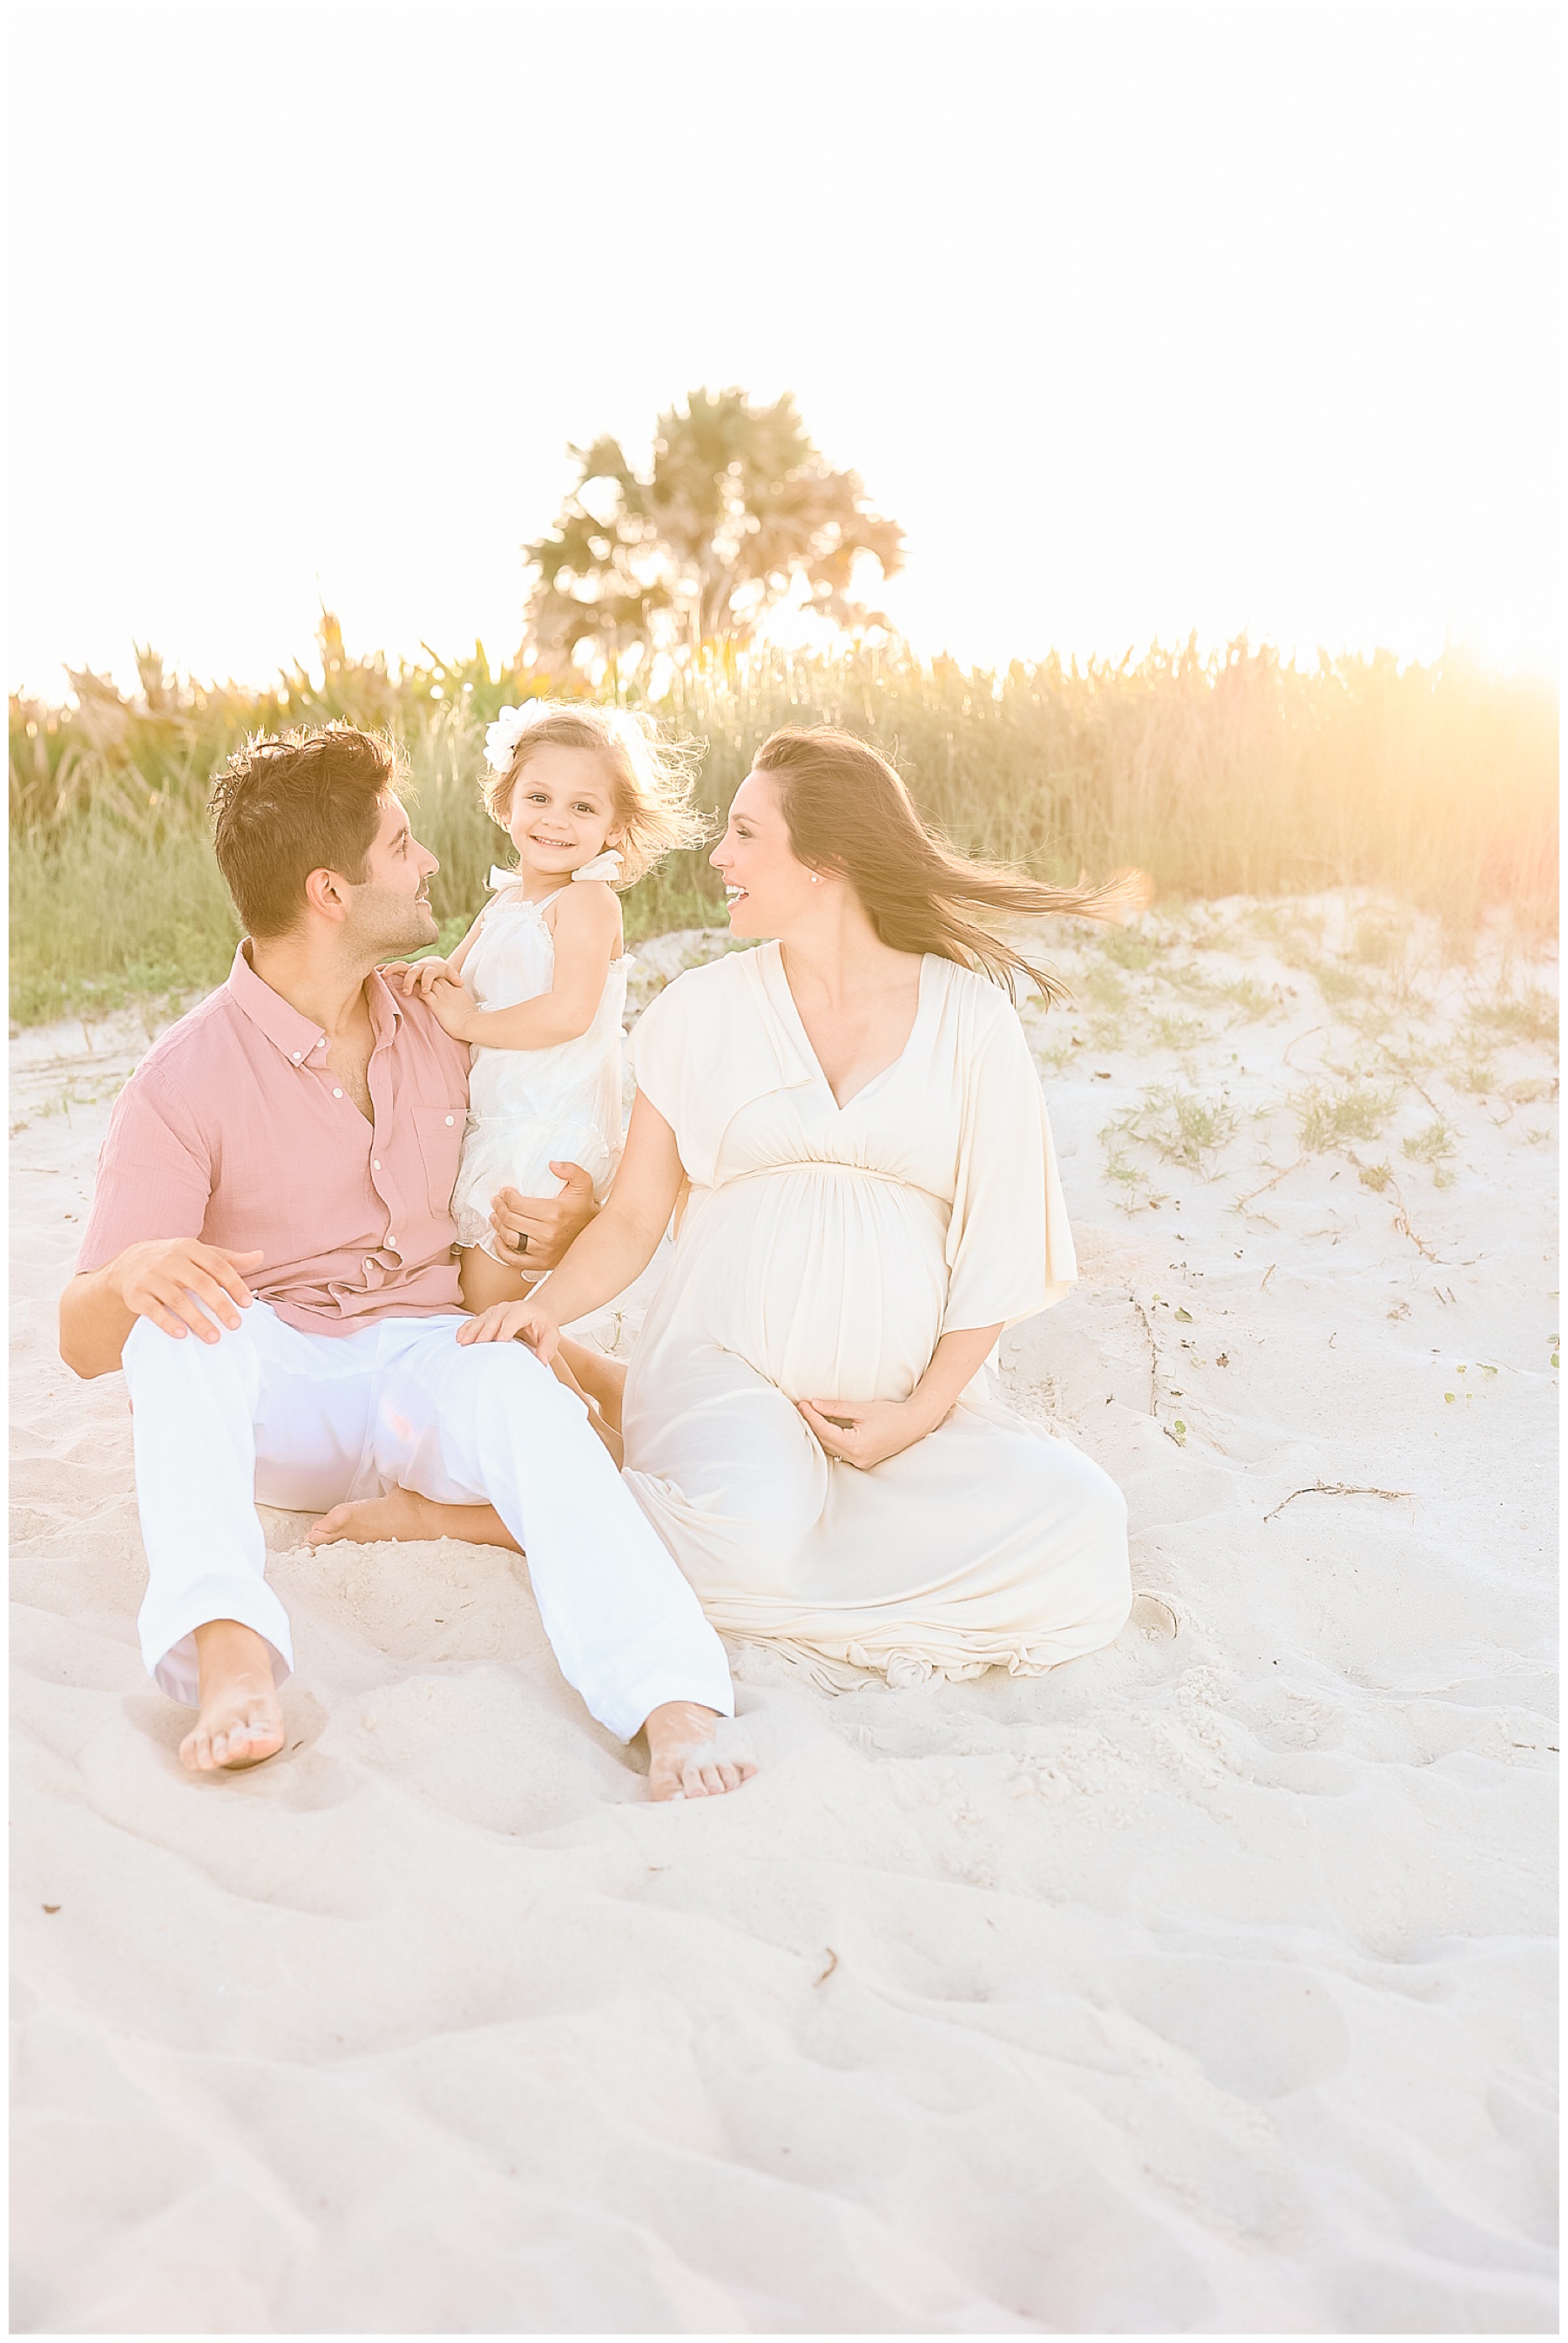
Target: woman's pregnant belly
{"points": [[828, 1281]]}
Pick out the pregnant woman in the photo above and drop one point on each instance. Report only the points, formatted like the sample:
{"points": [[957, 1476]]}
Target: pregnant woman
{"points": [[872, 1198]]}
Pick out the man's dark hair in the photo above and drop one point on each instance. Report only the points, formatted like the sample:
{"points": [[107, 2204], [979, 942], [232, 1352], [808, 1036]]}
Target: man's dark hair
{"points": [[290, 803]]}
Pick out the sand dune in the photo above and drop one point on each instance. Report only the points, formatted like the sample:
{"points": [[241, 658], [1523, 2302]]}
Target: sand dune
{"points": [[1203, 1984]]}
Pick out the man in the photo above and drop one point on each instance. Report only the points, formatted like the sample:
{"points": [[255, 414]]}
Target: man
{"points": [[270, 1256]]}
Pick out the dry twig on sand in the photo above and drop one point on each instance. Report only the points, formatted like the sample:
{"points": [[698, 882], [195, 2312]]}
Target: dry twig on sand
{"points": [[1337, 1489]]}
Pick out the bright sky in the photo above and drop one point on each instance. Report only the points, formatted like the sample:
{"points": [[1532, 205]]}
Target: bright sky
{"points": [[1139, 320]]}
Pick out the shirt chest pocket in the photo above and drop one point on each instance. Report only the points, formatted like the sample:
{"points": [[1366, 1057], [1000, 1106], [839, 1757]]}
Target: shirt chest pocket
{"points": [[439, 1130]]}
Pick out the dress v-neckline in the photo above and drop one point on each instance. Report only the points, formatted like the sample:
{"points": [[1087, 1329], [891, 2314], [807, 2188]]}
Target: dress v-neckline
{"points": [[841, 1106]]}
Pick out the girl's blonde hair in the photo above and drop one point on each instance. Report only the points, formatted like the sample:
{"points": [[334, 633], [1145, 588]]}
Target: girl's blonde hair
{"points": [[652, 778]]}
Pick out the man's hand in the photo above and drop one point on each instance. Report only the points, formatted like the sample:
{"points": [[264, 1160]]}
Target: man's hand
{"points": [[550, 1223], [166, 1278], [866, 1435], [513, 1321]]}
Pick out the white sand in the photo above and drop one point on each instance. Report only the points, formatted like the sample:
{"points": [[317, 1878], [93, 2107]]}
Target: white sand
{"points": [[1203, 1984]]}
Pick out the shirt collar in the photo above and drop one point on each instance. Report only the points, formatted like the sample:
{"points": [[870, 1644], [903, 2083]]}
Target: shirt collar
{"points": [[300, 1037]]}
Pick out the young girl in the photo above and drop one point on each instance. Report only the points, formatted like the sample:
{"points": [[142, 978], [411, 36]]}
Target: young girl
{"points": [[591, 798]]}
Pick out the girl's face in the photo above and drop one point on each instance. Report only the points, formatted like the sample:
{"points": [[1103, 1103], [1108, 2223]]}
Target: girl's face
{"points": [[562, 811], [767, 889]]}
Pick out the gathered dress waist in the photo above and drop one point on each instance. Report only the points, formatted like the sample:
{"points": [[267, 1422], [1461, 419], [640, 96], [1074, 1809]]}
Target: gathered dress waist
{"points": [[821, 1163]]}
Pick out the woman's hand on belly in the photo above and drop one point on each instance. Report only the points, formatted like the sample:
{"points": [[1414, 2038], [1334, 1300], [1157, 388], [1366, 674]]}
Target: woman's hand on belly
{"points": [[868, 1435]]}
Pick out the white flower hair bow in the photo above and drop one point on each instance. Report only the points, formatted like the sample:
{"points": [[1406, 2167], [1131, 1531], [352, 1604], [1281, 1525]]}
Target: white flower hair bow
{"points": [[501, 739]]}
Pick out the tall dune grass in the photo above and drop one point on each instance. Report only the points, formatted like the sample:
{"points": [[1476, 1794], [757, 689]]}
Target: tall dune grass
{"points": [[1235, 774]]}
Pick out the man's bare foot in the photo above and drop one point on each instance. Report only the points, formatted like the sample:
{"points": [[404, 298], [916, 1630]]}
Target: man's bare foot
{"points": [[240, 1721], [683, 1761]]}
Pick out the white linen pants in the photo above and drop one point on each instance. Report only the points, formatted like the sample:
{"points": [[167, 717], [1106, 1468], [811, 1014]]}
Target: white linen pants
{"points": [[273, 1416]]}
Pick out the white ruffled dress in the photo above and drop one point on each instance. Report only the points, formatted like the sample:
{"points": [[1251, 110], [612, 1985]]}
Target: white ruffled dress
{"points": [[528, 1108]]}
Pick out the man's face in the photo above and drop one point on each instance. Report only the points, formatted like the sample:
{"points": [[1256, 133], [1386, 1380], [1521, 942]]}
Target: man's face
{"points": [[389, 914]]}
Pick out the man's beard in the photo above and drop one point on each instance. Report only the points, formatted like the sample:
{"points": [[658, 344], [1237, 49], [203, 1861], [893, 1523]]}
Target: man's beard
{"points": [[387, 924]]}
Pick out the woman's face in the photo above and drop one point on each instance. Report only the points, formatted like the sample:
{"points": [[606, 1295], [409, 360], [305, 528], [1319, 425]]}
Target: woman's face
{"points": [[768, 888]]}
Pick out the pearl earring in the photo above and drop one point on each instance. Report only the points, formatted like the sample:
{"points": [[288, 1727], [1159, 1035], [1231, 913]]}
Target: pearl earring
{"points": [[816, 879]]}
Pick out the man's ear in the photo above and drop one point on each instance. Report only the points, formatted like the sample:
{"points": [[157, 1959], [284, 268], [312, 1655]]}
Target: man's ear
{"points": [[326, 895]]}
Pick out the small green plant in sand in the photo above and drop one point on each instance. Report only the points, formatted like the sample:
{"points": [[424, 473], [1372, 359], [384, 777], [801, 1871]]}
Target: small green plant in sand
{"points": [[1375, 1176], [1340, 985], [1245, 999], [1435, 1145], [1405, 1056], [1326, 1119], [1105, 988], [1180, 1126], [1528, 1016], [1130, 1180], [1476, 1074], [1173, 1031], [1294, 933], [1054, 1053], [1378, 940], [1129, 947], [1248, 1000]]}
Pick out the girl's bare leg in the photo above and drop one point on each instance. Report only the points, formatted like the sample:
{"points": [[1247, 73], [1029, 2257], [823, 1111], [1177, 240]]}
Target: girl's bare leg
{"points": [[597, 1375], [484, 1281]]}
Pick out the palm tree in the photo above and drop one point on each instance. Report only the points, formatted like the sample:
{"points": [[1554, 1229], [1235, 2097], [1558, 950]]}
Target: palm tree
{"points": [[739, 506]]}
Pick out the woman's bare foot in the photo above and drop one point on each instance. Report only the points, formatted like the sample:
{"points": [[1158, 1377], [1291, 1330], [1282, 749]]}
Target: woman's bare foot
{"points": [[683, 1760], [240, 1721], [401, 1513]]}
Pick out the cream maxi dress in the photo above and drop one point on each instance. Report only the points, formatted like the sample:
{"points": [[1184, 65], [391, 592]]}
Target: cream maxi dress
{"points": [[823, 1252]]}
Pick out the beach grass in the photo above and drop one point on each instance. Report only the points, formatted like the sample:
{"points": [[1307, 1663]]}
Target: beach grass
{"points": [[1239, 774]]}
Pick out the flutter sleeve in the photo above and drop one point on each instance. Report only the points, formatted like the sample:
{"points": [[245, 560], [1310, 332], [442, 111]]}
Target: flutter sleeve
{"points": [[1010, 1248], [708, 1046], [657, 1049]]}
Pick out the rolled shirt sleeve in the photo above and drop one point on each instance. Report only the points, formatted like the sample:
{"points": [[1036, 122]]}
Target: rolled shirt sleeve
{"points": [[153, 1179]]}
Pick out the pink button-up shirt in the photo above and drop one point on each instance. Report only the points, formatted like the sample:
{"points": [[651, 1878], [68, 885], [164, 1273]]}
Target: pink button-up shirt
{"points": [[233, 1129]]}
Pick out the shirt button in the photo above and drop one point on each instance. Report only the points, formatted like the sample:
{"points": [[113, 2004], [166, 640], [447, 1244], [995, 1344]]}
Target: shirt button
{"points": [[451, 1118], [338, 1093], [376, 1164], [297, 1056]]}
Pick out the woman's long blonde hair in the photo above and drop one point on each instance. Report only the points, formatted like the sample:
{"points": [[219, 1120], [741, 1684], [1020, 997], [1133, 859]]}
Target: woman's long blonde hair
{"points": [[652, 778], [849, 812]]}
